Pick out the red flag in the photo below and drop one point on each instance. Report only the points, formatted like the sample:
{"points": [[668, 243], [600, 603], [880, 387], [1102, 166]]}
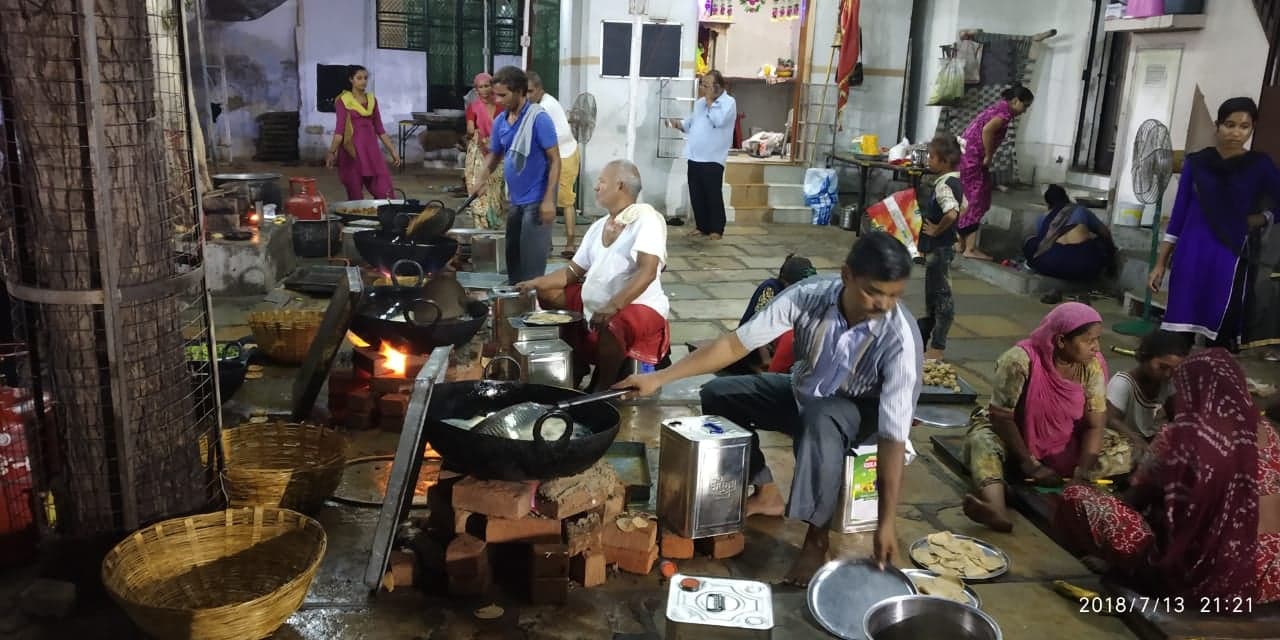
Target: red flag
{"points": [[850, 48]]}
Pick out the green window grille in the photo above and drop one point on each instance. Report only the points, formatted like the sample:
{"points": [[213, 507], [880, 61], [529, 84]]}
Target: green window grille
{"points": [[402, 24]]}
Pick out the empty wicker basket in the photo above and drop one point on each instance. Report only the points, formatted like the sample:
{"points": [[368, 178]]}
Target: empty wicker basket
{"points": [[285, 336], [282, 464], [233, 575]]}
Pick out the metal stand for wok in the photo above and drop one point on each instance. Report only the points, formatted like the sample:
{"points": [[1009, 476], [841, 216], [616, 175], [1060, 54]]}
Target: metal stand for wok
{"points": [[405, 468]]}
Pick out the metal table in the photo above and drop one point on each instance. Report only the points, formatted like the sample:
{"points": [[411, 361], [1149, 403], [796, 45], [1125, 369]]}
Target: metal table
{"points": [[409, 127], [913, 174]]}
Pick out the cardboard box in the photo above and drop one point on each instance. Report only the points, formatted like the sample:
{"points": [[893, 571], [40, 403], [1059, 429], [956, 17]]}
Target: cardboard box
{"points": [[859, 506]]}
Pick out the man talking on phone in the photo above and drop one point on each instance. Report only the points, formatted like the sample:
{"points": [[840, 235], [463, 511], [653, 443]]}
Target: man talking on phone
{"points": [[709, 133]]}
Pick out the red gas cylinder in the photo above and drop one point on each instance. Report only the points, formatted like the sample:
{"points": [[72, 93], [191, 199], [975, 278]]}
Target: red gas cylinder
{"points": [[17, 522], [305, 201]]}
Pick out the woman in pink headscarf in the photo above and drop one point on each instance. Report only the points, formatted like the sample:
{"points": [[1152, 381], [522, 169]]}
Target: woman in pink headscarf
{"points": [[488, 208], [1047, 417], [1201, 516]]}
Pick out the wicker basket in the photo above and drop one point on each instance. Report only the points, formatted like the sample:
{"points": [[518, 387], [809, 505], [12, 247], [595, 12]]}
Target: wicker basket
{"points": [[285, 336], [282, 464], [233, 575]]}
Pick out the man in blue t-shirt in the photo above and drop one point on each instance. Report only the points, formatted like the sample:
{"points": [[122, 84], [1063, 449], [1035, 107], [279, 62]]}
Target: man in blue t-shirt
{"points": [[524, 139]]}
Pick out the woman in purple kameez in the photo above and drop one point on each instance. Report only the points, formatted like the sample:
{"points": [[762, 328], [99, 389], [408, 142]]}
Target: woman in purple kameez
{"points": [[1216, 229], [982, 138], [355, 141]]}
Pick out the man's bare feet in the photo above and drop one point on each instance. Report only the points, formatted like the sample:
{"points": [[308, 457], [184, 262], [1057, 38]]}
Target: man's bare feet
{"points": [[977, 254], [694, 233], [984, 514], [814, 554], [715, 236], [934, 354], [766, 501]]}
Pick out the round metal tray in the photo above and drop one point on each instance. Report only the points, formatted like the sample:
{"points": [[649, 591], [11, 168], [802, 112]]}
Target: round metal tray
{"points": [[974, 599], [943, 416], [573, 316], [987, 548], [842, 591]]}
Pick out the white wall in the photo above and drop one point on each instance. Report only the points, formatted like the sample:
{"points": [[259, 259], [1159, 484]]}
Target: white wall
{"points": [[876, 106], [260, 60], [344, 33], [1226, 59], [664, 179], [753, 40], [1047, 132]]}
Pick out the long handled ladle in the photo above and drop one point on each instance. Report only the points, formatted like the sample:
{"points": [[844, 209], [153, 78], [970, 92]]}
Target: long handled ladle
{"points": [[509, 420]]}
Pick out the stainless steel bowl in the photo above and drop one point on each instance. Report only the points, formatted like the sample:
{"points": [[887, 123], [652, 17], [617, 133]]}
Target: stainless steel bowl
{"points": [[911, 617]]}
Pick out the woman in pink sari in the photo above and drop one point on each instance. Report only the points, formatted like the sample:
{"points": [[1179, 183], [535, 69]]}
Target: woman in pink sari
{"points": [[355, 141], [489, 207], [1047, 417], [982, 138], [1209, 488]]}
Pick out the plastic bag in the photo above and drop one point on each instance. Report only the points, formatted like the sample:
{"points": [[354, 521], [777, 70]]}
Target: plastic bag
{"points": [[970, 54], [821, 193], [900, 151], [948, 87], [899, 216]]}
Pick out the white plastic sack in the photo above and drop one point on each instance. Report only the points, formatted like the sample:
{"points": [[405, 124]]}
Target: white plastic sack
{"points": [[948, 87], [970, 54], [900, 151], [820, 193]]}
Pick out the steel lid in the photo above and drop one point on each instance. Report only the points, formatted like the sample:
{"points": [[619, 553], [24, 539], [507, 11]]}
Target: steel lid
{"points": [[842, 591], [245, 177]]}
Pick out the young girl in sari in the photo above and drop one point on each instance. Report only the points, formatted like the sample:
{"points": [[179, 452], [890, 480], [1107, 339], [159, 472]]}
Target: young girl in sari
{"points": [[489, 207], [1047, 418], [1201, 517], [355, 141]]}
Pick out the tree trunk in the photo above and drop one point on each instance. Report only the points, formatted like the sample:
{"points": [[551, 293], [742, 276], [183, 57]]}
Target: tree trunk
{"points": [[68, 236]]}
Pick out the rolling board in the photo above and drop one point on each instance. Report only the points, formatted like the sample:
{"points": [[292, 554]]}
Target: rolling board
{"points": [[930, 394]]}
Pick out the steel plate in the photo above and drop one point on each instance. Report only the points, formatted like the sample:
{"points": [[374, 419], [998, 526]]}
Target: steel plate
{"points": [[987, 548], [942, 416], [974, 600], [573, 316], [842, 591]]}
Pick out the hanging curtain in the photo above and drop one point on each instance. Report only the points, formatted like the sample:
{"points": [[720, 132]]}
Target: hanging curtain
{"points": [[850, 49]]}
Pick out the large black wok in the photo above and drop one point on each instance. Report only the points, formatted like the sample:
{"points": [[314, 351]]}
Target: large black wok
{"points": [[497, 458], [413, 324], [393, 216], [381, 249]]}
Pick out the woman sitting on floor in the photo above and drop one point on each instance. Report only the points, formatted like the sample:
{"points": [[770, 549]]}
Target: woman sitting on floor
{"points": [[1136, 398], [1209, 488], [1070, 242], [1047, 417]]}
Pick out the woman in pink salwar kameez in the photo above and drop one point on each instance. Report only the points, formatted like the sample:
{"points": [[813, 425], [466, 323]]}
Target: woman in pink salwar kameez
{"points": [[355, 141], [982, 138]]}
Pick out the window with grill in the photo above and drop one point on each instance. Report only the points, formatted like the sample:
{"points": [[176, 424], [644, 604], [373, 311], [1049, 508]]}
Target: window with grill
{"points": [[402, 24]]}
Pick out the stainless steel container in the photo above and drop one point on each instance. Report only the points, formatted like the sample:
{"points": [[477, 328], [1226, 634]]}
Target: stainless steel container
{"points": [[547, 362], [849, 218], [489, 253], [509, 302], [903, 617], [702, 476], [700, 608], [525, 332], [256, 187]]}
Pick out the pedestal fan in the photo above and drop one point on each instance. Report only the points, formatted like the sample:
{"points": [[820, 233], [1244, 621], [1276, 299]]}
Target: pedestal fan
{"points": [[582, 121], [1152, 168]]}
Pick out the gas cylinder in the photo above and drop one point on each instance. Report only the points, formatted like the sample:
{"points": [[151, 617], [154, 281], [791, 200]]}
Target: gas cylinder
{"points": [[17, 522], [305, 201]]}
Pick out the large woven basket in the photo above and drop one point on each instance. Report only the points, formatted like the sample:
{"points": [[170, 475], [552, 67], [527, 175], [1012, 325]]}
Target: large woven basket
{"points": [[230, 575], [282, 464], [285, 336]]}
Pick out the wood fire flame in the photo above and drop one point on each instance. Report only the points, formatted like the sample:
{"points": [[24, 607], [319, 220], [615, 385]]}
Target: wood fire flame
{"points": [[394, 361]]}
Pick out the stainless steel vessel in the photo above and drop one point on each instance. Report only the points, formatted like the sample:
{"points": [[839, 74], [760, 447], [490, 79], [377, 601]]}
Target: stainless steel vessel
{"points": [[699, 608], [548, 362], [702, 476], [489, 253], [525, 332], [509, 302]]}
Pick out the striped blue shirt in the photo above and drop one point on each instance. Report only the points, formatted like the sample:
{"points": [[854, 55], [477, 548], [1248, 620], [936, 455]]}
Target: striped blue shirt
{"points": [[881, 357], [710, 130]]}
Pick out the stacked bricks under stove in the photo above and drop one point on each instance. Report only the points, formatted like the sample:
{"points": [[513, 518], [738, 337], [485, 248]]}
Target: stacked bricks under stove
{"points": [[369, 394], [537, 535]]}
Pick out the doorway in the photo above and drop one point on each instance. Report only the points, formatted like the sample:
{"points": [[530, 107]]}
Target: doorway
{"points": [[1099, 125], [1152, 91]]}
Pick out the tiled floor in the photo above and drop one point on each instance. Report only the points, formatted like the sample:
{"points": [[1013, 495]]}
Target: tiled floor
{"points": [[709, 283]]}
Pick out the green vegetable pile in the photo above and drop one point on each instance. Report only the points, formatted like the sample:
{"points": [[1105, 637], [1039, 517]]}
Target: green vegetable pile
{"points": [[200, 352]]}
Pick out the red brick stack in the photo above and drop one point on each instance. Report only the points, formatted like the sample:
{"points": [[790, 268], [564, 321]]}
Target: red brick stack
{"points": [[369, 395], [676, 547], [562, 525]]}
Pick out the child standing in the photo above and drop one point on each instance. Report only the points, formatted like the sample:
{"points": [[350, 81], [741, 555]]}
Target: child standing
{"points": [[937, 242]]}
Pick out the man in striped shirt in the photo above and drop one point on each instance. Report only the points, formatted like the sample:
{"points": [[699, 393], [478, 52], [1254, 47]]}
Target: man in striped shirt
{"points": [[858, 371]]}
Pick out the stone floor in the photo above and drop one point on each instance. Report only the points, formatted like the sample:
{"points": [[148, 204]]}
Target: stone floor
{"points": [[709, 284]]}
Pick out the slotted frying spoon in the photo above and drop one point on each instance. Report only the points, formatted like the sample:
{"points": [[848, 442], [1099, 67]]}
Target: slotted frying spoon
{"points": [[512, 418]]}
